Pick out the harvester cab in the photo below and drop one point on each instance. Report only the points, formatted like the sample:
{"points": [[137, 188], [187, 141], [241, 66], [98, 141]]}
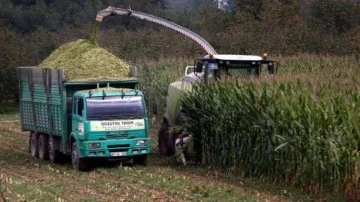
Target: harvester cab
{"points": [[223, 66]]}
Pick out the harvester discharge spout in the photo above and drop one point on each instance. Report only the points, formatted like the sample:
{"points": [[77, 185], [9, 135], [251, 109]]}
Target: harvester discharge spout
{"points": [[143, 16]]}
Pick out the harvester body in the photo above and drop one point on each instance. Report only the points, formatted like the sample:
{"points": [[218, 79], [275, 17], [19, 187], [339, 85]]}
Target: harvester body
{"points": [[210, 68]]}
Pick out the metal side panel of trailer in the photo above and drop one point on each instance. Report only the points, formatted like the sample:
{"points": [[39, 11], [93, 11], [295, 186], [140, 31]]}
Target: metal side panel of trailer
{"points": [[41, 100]]}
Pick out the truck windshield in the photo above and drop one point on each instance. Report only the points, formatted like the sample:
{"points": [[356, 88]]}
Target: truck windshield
{"points": [[114, 107]]}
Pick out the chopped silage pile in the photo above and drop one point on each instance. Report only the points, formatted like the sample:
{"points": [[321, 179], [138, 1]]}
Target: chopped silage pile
{"points": [[81, 60]]}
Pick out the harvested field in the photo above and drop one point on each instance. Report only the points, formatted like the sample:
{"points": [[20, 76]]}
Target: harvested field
{"points": [[23, 178]]}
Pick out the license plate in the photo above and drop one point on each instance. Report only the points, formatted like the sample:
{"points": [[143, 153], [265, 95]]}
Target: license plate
{"points": [[118, 153]]}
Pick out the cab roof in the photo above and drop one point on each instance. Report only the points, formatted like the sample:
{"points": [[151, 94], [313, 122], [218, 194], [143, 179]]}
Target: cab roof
{"points": [[234, 57], [110, 91]]}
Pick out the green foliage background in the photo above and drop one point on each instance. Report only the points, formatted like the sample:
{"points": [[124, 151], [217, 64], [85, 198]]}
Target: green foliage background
{"points": [[32, 29]]}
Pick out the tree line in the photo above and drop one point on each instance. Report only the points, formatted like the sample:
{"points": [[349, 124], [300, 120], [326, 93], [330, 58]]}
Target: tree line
{"points": [[32, 29]]}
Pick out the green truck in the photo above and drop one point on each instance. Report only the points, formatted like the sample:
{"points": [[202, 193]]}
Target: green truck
{"points": [[86, 120]]}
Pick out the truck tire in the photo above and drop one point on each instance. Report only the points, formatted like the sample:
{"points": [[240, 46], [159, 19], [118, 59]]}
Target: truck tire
{"points": [[29, 143], [34, 144], [79, 164], [43, 147], [54, 154], [140, 160]]}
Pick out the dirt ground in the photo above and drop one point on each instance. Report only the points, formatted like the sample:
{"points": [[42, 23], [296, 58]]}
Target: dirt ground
{"points": [[24, 178]]}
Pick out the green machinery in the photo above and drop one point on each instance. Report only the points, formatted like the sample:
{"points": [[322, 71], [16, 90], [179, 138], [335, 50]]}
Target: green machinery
{"points": [[207, 69], [86, 120]]}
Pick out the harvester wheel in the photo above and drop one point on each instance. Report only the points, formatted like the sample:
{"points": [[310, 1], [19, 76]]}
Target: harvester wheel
{"points": [[43, 147], [79, 164], [140, 160], [34, 144], [54, 154], [163, 139]]}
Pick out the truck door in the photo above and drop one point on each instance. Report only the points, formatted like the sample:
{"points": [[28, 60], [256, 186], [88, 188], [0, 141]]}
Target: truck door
{"points": [[77, 117]]}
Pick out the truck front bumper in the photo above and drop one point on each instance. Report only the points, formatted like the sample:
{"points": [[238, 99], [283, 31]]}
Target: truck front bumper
{"points": [[119, 148]]}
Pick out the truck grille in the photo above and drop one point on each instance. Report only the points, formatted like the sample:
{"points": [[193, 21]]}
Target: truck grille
{"points": [[118, 146], [116, 135]]}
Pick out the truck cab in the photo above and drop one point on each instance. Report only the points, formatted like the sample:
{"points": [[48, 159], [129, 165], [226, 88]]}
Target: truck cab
{"points": [[85, 119], [110, 123]]}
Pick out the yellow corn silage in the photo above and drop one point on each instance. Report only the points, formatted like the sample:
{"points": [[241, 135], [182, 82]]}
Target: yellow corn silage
{"points": [[82, 60]]}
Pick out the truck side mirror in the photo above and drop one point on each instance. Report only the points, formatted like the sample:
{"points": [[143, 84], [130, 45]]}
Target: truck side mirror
{"points": [[199, 67], [271, 68]]}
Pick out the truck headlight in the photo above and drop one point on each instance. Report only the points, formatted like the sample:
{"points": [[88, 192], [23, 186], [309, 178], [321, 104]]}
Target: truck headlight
{"points": [[94, 145], [141, 143]]}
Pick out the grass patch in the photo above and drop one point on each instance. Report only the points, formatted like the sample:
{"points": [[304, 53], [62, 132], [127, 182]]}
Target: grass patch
{"points": [[9, 112], [29, 191], [170, 182]]}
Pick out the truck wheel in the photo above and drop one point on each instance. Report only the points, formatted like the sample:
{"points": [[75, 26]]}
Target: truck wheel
{"points": [[140, 160], [79, 164], [29, 143], [43, 147], [163, 139], [54, 154], [34, 144]]}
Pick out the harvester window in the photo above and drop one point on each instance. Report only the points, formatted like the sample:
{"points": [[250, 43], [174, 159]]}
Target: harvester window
{"points": [[213, 66], [242, 71]]}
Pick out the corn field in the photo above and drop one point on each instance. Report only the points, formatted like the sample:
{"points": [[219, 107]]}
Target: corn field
{"points": [[155, 78], [301, 127]]}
